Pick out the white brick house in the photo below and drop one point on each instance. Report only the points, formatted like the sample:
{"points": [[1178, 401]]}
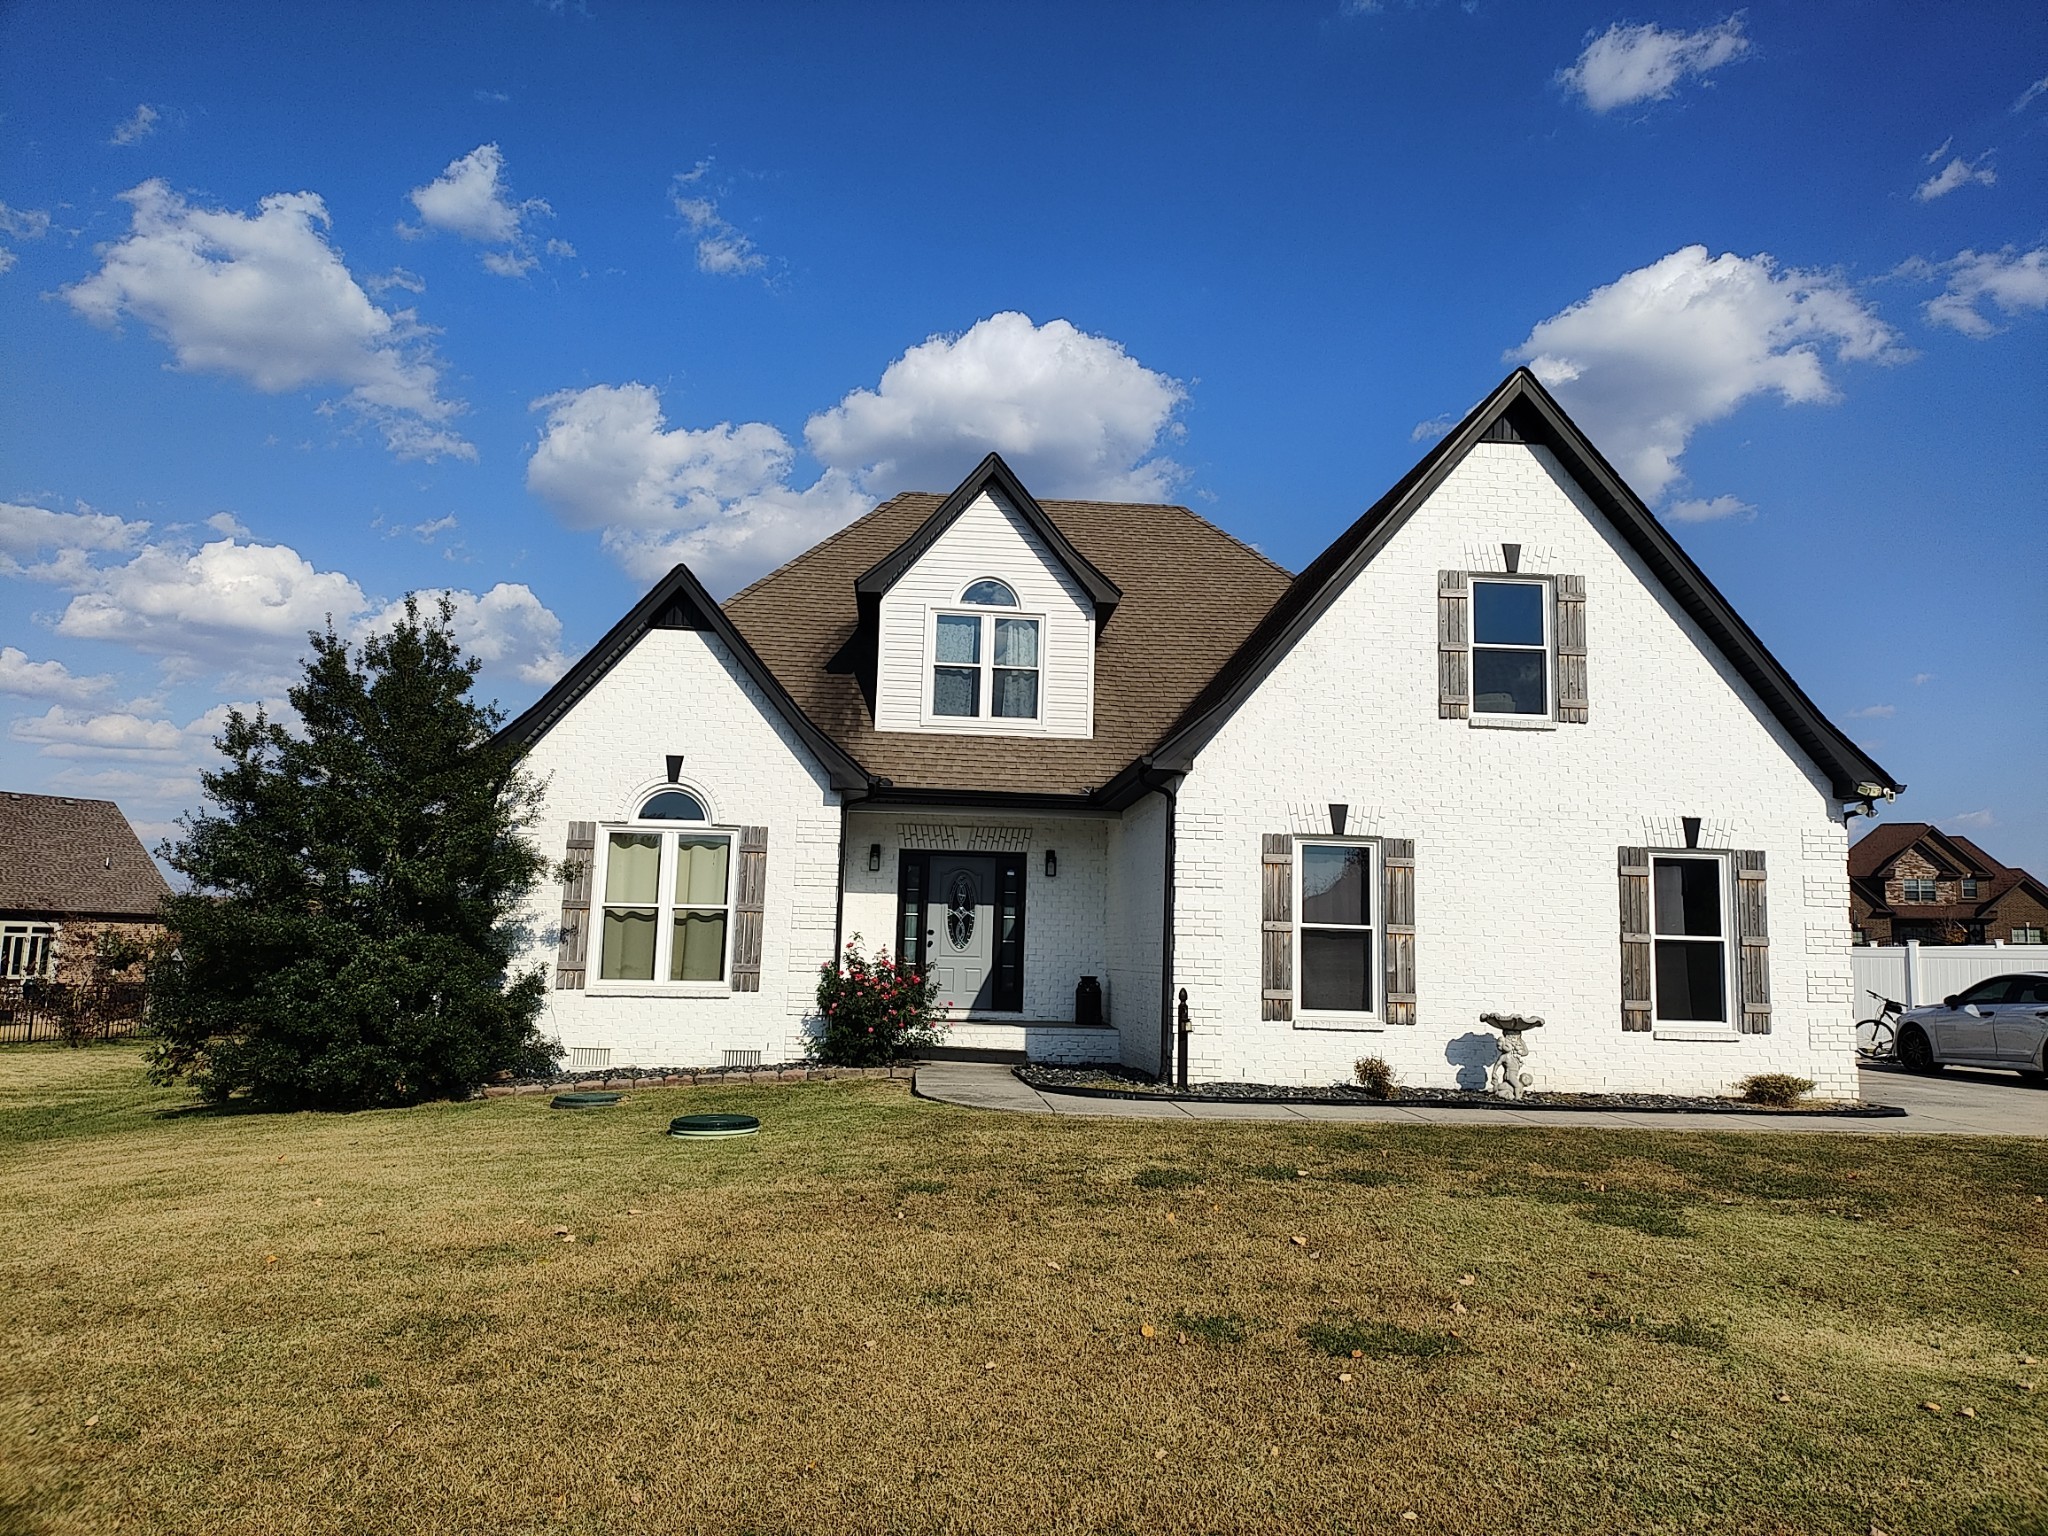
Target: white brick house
{"points": [[1501, 747]]}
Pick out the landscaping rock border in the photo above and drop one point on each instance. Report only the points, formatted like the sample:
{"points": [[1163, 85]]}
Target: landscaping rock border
{"points": [[1085, 1082], [626, 1079]]}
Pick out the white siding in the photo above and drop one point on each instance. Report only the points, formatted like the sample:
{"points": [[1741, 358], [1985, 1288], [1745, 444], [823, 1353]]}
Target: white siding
{"points": [[680, 691], [988, 539], [1515, 831]]}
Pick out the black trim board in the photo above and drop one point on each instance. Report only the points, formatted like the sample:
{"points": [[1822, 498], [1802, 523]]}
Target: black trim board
{"points": [[991, 472], [1518, 409], [679, 601]]}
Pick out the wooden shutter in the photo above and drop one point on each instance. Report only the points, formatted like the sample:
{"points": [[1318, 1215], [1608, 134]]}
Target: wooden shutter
{"points": [[1397, 903], [749, 897], [1276, 927], [578, 863], [1453, 657], [1753, 929], [1571, 649], [1635, 938]]}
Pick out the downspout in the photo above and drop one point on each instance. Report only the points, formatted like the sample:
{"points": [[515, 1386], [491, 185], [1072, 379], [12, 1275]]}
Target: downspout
{"points": [[1166, 785]]}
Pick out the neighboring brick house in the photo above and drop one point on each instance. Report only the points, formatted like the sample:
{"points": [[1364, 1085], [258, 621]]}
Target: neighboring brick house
{"points": [[1502, 746], [69, 871], [1910, 880]]}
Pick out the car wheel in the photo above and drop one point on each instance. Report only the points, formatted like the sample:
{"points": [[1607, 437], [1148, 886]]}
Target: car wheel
{"points": [[1915, 1054]]}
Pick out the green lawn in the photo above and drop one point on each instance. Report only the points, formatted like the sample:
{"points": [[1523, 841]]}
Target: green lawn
{"points": [[887, 1315]]}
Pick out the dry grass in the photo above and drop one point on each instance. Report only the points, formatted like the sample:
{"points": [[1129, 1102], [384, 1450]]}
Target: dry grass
{"points": [[887, 1315]]}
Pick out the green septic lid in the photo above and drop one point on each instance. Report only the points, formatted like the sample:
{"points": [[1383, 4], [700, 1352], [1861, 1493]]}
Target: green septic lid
{"points": [[713, 1125], [584, 1100]]}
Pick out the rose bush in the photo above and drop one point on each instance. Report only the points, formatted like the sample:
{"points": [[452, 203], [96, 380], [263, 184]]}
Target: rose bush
{"points": [[873, 1010]]}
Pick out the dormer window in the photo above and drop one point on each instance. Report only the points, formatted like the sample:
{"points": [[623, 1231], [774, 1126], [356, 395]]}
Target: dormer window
{"points": [[985, 664]]}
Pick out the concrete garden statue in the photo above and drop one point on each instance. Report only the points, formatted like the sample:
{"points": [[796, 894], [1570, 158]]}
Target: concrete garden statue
{"points": [[1509, 1077]]}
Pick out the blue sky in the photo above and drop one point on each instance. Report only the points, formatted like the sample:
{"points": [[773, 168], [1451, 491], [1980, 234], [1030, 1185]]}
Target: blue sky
{"points": [[306, 307]]}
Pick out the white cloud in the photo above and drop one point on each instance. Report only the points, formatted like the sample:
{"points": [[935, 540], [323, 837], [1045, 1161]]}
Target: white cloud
{"points": [[2027, 96], [471, 199], [1628, 64], [397, 277], [228, 523], [507, 628], [29, 531], [267, 300], [1976, 821], [27, 679], [138, 127], [1920, 679], [1645, 361], [70, 733], [245, 608], [20, 224], [1957, 173], [717, 497], [1874, 712], [1074, 414], [721, 249], [1430, 430], [560, 248], [1938, 151], [1713, 509], [2010, 282]]}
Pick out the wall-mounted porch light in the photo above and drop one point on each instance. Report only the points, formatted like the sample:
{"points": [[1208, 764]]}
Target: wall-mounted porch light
{"points": [[1052, 865], [874, 857]]}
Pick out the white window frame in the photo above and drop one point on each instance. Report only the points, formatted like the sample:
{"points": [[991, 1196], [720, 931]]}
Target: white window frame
{"points": [[1548, 650], [2027, 933], [1730, 942], [28, 951], [1335, 1018], [1969, 889], [985, 668], [664, 906], [1909, 883]]}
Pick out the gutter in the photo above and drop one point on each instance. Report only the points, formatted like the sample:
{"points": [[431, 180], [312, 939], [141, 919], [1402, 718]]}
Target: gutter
{"points": [[1167, 785]]}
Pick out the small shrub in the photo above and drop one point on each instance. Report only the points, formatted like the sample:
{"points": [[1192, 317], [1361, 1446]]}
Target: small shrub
{"points": [[1376, 1077], [1375, 1340], [1779, 1090], [874, 1010], [1217, 1328], [1165, 1178]]}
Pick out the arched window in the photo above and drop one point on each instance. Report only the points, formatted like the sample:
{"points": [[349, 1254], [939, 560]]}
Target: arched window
{"points": [[989, 593], [667, 895], [673, 805]]}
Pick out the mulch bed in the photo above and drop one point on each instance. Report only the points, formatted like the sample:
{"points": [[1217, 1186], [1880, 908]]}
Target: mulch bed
{"points": [[1113, 1082], [624, 1079]]}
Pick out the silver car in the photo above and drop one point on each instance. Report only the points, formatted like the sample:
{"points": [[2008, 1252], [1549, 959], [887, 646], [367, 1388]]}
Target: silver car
{"points": [[1999, 1022]]}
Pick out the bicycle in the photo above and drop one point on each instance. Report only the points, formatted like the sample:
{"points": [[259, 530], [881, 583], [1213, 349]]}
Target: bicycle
{"points": [[1877, 1038]]}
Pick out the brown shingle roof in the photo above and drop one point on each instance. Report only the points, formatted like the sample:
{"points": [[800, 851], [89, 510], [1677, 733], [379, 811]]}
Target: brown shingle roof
{"points": [[77, 857], [1191, 594]]}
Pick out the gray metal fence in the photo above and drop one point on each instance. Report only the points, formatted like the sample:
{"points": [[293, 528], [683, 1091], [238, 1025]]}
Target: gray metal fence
{"points": [[70, 1011]]}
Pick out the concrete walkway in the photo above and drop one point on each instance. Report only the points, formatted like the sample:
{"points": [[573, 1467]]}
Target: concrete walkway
{"points": [[1957, 1103]]}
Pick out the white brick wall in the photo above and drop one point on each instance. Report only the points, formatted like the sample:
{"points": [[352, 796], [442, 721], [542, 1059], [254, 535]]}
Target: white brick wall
{"points": [[680, 691], [1515, 830]]}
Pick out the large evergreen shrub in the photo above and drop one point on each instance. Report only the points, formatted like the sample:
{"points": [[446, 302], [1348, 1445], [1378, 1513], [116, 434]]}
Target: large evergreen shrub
{"points": [[348, 936]]}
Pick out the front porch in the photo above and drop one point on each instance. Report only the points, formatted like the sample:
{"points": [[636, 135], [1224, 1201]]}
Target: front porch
{"points": [[1011, 911]]}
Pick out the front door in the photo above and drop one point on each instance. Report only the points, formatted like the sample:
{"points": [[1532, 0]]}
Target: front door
{"points": [[960, 929]]}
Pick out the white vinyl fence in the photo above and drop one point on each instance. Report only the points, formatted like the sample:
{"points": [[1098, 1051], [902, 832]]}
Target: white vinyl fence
{"points": [[1913, 974]]}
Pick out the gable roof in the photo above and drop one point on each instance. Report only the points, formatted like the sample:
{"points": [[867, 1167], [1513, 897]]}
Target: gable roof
{"points": [[1872, 855], [1521, 410], [679, 601], [80, 858], [1188, 595], [993, 474]]}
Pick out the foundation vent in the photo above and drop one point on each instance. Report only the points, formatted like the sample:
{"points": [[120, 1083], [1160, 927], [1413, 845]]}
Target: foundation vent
{"points": [[743, 1058], [588, 1058]]}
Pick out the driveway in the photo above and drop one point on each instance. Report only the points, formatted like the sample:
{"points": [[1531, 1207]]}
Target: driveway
{"points": [[1957, 1103]]}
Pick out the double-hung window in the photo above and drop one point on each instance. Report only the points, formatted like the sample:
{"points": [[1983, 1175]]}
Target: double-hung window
{"points": [[667, 895], [25, 950], [1972, 890], [985, 664], [1337, 947], [1924, 892], [1510, 648], [1689, 933]]}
